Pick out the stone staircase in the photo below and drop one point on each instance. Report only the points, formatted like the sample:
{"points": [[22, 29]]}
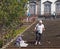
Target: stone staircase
{"points": [[50, 38]]}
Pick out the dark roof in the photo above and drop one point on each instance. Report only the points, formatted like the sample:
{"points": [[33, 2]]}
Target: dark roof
{"points": [[47, 1], [34, 0], [57, 1]]}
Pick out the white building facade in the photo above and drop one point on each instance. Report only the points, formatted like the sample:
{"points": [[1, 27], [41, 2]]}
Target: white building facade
{"points": [[34, 7], [57, 10], [47, 8]]}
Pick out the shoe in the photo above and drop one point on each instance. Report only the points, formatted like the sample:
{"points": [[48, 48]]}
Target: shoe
{"points": [[36, 43], [39, 43]]}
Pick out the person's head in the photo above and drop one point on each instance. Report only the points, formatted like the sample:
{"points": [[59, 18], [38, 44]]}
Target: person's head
{"points": [[19, 38], [40, 22]]}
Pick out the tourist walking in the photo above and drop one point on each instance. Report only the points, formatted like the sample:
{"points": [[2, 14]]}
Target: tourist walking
{"points": [[39, 28]]}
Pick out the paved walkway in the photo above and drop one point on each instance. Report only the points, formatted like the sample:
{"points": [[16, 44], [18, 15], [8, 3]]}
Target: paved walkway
{"points": [[50, 38]]}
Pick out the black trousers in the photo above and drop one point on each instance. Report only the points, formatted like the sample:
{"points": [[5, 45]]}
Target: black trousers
{"points": [[38, 36]]}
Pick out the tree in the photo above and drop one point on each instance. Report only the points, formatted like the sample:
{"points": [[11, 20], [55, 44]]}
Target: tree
{"points": [[10, 13]]}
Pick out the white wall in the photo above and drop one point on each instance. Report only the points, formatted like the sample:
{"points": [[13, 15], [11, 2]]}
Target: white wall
{"points": [[42, 6], [52, 6]]}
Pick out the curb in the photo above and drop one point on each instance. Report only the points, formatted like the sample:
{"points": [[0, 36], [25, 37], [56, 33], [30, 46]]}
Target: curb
{"points": [[16, 37]]}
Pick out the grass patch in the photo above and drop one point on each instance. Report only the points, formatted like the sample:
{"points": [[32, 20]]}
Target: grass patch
{"points": [[14, 33], [1, 43], [19, 30]]}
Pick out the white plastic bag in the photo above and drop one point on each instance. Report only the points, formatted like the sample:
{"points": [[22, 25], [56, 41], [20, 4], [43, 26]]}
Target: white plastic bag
{"points": [[23, 44]]}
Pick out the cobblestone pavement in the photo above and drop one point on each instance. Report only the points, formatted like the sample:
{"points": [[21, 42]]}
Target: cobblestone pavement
{"points": [[50, 38]]}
